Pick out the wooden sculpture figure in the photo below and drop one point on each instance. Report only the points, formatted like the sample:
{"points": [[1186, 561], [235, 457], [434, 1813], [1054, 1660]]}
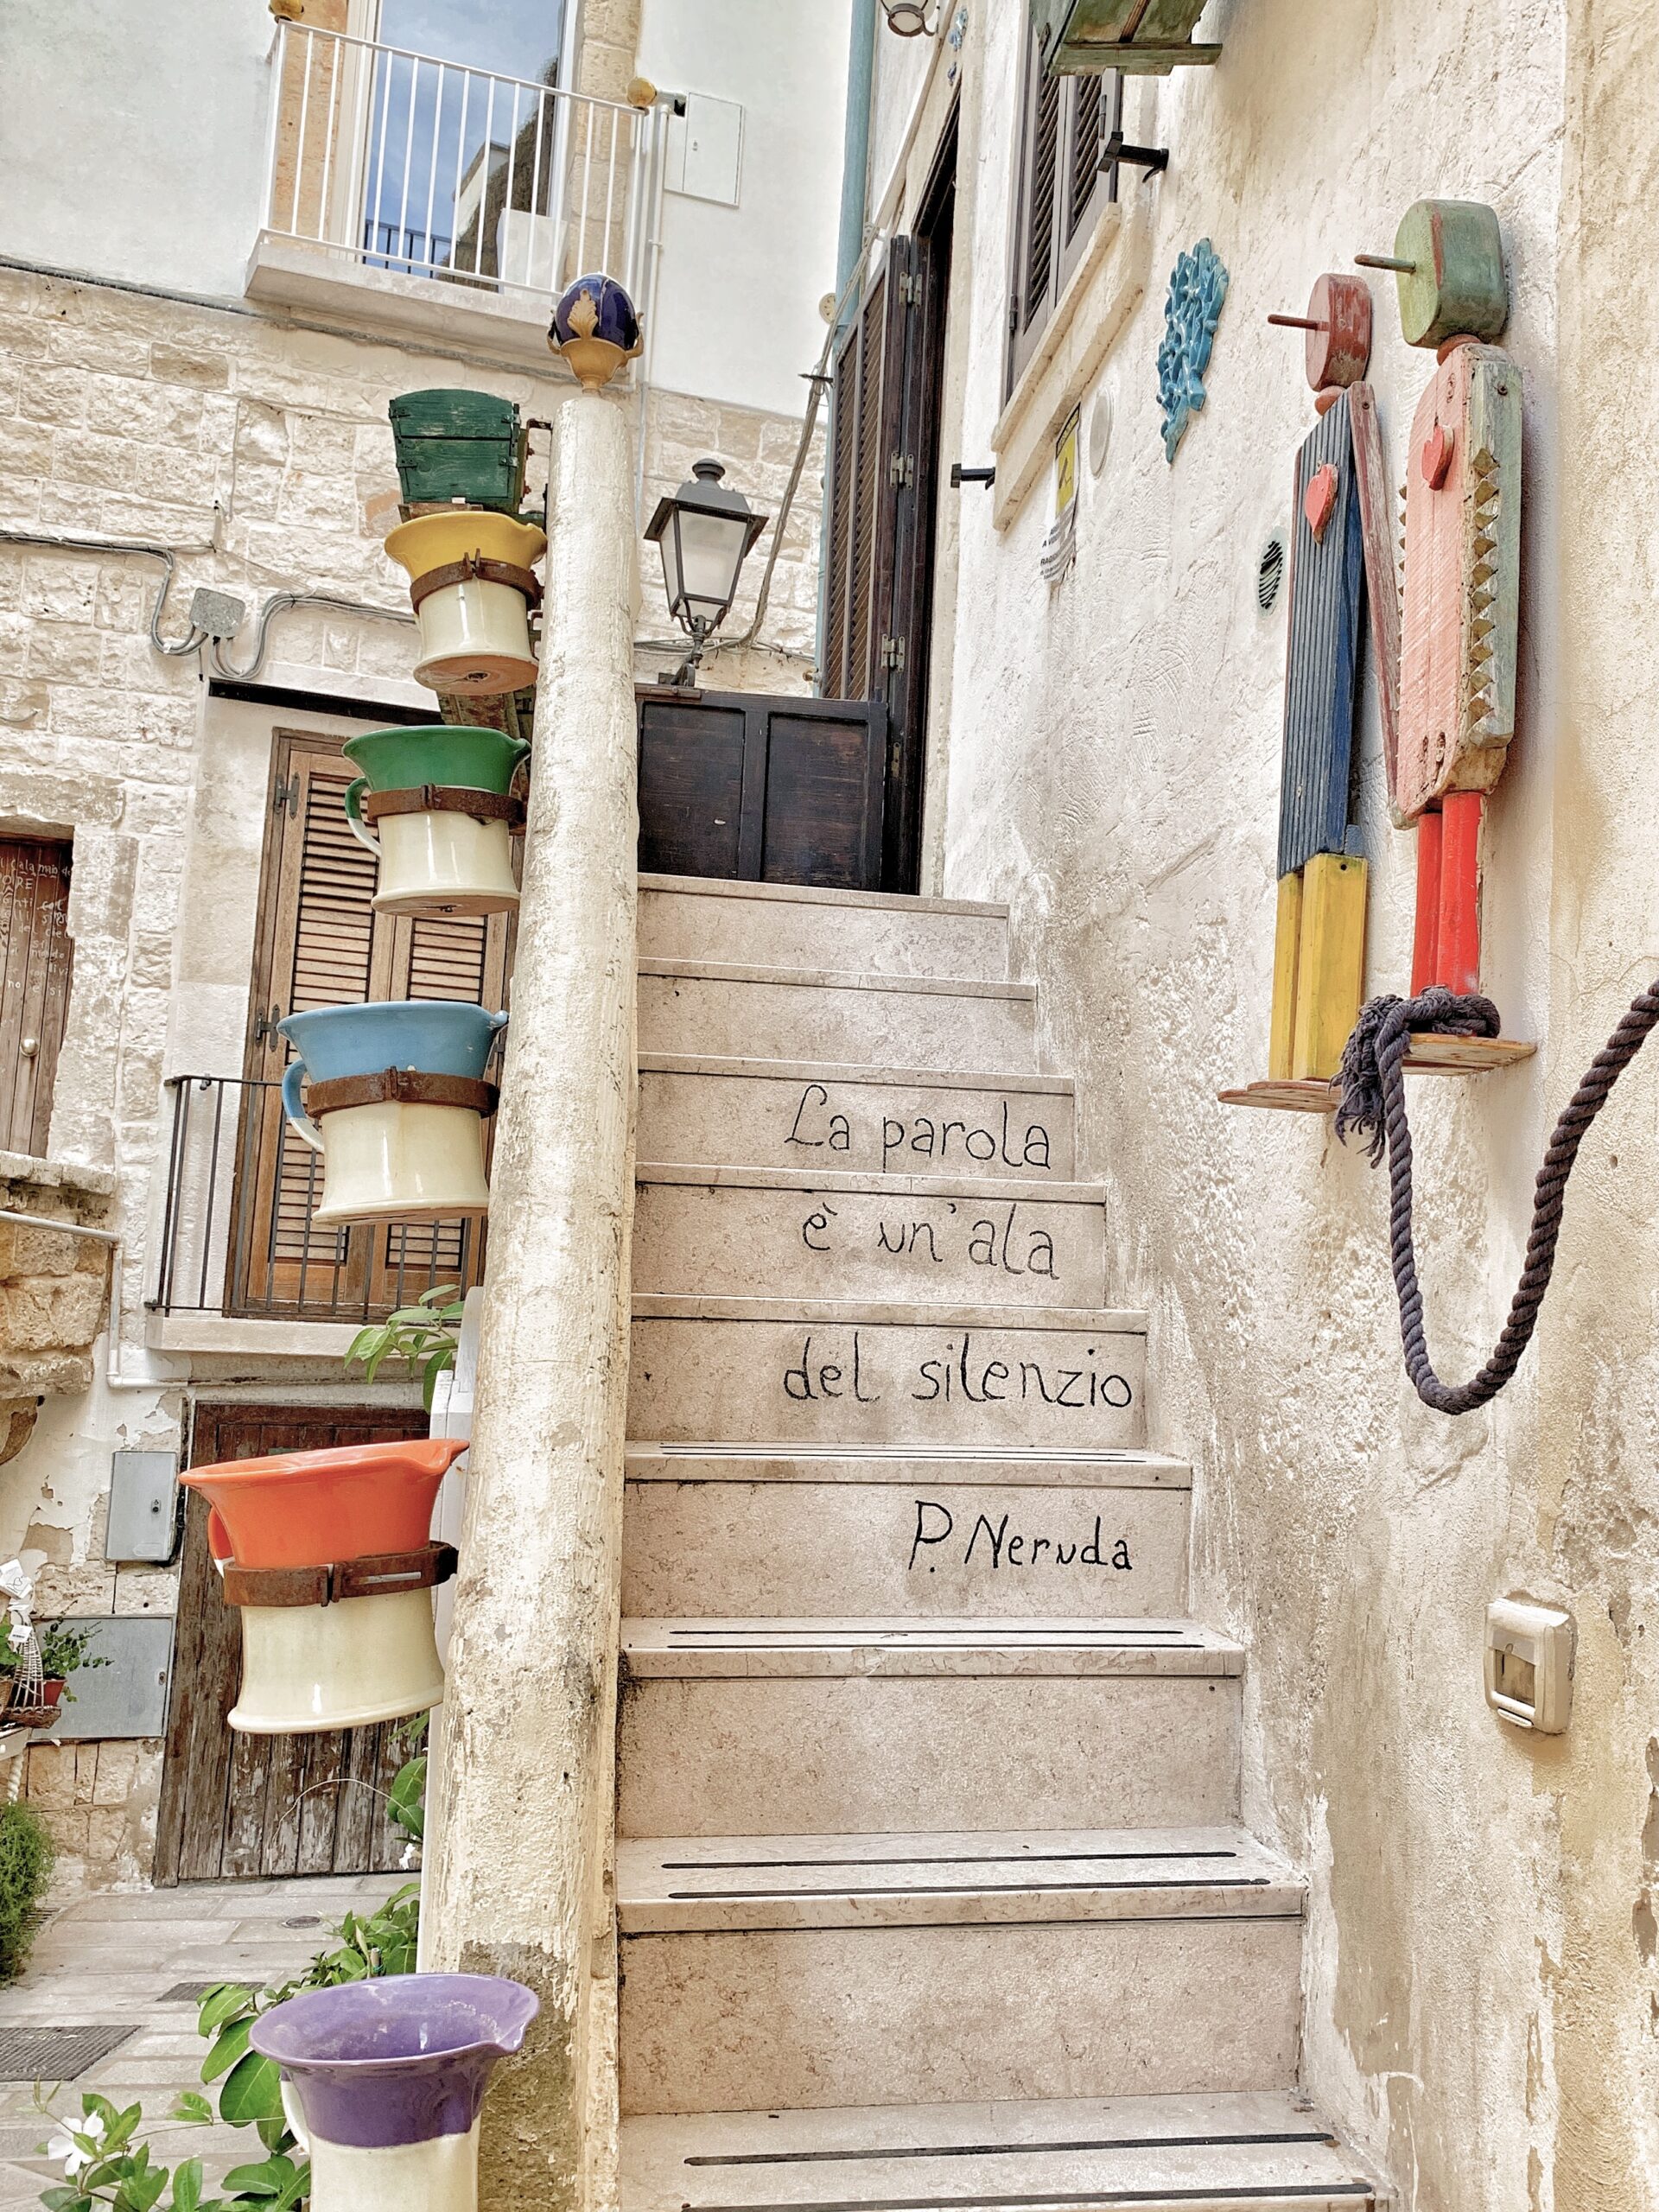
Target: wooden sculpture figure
{"points": [[1461, 613], [1340, 546]]}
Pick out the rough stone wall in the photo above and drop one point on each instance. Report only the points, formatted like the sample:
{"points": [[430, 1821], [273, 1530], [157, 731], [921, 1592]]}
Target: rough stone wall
{"points": [[759, 451], [143, 418], [1483, 1974]]}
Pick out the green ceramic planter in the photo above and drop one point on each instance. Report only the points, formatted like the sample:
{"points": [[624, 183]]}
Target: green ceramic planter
{"points": [[436, 860], [401, 760]]}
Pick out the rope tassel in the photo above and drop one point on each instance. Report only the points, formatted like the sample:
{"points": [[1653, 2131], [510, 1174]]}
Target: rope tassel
{"points": [[1373, 1107]]}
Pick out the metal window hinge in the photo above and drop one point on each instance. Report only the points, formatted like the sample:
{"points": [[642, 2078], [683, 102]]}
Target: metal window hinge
{"points": [[901, 468], [286, 793], [265, 1029], [1014, 316], [910, 289], [892, 652]]}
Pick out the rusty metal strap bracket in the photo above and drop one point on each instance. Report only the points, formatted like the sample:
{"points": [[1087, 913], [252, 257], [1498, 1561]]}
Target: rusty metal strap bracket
{"points": [[473, 568], [401, 1087], [445, 798], [381, 1575]]}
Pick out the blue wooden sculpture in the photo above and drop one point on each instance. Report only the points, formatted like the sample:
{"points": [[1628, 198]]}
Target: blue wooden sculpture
{"points": [[1198, 288]]}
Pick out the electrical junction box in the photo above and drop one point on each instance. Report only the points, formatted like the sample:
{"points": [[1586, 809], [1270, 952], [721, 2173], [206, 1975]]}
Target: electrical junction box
{"points": [[127, 1696], [143, 1518], [1529, 1650], [705, 150]]}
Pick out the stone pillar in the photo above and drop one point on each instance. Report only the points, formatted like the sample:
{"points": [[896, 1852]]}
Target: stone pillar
{"points": [[517, 1865]]}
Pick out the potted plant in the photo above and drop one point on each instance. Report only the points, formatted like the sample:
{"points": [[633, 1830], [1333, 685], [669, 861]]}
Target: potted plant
{"points": [[64, 1651]]}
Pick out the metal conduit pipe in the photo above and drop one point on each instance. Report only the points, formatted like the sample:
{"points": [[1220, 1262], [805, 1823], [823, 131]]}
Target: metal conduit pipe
{"points": [[113, 1378], [64, 541]]}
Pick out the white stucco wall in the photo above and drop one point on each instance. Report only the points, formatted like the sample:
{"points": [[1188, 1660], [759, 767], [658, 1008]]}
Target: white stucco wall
{"points": [[737, 316], [1481, 1975], [134, 144]]}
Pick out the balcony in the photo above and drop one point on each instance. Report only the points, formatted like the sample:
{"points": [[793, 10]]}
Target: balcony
{"points": [[244, 1269], [443, 200]]}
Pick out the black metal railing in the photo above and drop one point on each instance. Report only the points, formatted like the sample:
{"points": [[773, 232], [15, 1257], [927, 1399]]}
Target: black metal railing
{"points": [[238, 1235]]}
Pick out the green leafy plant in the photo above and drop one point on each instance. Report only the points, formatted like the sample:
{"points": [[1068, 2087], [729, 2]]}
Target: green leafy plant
{"points": [[424, 1335], [26, 1855], [65, 1651], [106, 2161], [406, 1800]]}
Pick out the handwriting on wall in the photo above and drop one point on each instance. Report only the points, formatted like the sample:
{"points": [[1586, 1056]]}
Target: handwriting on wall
{"points": [[960, 1371], [993, 1544], [1001, 1238], [826, 1122]]}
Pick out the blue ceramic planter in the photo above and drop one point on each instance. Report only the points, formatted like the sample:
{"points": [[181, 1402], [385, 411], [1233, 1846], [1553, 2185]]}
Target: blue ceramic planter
{"points": [[435, 1035]]}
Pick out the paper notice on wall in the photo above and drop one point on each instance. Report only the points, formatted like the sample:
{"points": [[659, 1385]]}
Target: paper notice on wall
{"points": [[1060, 545]]}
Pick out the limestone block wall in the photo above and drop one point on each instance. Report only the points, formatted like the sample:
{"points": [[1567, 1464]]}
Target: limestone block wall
{"points": [[1484, 1975], [262, 448], [759, 451]]}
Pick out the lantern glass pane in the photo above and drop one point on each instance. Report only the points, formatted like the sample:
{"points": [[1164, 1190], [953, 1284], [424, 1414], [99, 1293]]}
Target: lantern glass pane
{"points": [[710, 554], [669, 546]]}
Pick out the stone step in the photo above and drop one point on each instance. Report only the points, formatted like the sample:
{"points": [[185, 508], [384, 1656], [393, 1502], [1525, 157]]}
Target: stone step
{"points": [[747, 1370], [807, 1726], [806, 1234], [791, 1014], [823, 1969], [819, 1115], [780, 925], [892, 1532], [1262, 2152]]}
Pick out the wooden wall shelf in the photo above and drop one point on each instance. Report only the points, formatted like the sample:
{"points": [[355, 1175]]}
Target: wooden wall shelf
{"points": [[1429, 1055]]}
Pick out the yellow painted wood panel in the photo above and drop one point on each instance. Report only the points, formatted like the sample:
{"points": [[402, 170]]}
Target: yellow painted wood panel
{"points": [[1286, 945], [1330, 962]]}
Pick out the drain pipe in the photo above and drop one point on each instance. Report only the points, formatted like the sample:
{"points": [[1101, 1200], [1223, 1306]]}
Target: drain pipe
{"points": [[113, 1378], [849, 244]]}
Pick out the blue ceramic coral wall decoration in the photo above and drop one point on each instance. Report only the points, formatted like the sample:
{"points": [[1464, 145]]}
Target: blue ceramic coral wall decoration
{"points": [[1198, 288]]}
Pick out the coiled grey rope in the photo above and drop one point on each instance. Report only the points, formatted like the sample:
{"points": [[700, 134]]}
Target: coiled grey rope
{"points": [[1373, 1106]]}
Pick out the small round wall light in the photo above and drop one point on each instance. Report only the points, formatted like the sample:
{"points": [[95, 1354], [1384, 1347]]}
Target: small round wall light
{"points": [[1270, 572], [909, 17], [1100, 431]]}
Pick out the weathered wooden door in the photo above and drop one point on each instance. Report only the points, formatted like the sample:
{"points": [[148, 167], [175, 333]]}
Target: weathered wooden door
{"points": [[320, 943], [763, 789], [239, 1807], [34, 959]]}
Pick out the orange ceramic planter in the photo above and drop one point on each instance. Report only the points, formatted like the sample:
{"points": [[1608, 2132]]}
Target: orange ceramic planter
{"points": [[307, 1668], [306, 1508]]}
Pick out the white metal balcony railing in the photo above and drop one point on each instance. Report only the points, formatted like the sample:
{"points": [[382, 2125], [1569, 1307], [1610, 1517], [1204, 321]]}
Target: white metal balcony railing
{"points": [[433, 169]]}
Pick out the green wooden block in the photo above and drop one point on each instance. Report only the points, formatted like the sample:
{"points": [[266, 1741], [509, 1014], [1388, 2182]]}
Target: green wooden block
{"points": [[465, 446], [1456, 285], [1144, 37]]}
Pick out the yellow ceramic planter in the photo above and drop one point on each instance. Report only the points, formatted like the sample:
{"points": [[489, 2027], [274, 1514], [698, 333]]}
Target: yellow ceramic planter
{"points": [[474, 634]]}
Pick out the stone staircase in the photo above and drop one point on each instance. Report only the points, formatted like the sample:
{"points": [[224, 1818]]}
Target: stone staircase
{"points": [[931, 1886]]}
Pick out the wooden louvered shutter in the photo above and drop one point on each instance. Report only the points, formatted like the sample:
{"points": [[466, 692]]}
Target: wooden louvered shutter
{"points": [[868, 400], [320, 943], [1060, 190], [34, 960]]}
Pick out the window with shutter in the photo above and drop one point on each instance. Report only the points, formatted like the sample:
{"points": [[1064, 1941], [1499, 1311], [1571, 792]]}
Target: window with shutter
{"points": [[1060, 189], [320, 943], [34, 960]]}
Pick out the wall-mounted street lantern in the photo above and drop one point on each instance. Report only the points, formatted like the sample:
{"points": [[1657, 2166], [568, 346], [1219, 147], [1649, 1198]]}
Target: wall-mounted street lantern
{"points": [[909, 17], [704, 534]]}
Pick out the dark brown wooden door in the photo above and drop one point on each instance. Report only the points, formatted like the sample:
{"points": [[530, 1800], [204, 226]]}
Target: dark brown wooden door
{"points": [[241, 1807], [761, 789], [883, 493], [320, 943], [35, 960]]}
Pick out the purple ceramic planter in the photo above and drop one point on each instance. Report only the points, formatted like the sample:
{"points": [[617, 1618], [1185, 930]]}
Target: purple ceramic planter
{"points": [[383, 2063]]}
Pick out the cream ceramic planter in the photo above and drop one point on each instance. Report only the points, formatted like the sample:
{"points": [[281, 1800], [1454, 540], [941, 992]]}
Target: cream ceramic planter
{"points": [[474, 640], [439, 2176], [347, 1665], [398, 1162], [441, 863]]}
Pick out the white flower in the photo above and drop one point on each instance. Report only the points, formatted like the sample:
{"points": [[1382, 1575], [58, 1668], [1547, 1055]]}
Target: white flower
{"points": [[63, 2146]]}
